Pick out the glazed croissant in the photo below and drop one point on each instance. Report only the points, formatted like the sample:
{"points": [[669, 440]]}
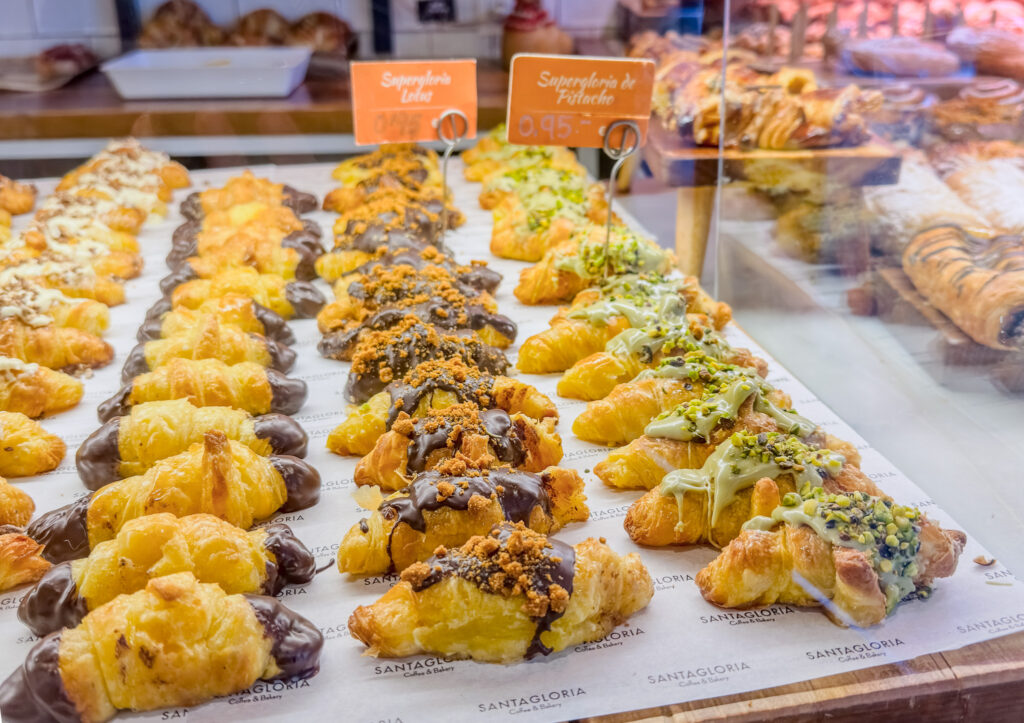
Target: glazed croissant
{"points": [[218, 476], [441, 509], [474, 438], [129, 445], [71, 278], [209, 340], [503, 597], [20, 559], [813, 546], [261, 561], [16, 507], [82, 209], [128, 157], [210, 383], [35, 390], [235, 310], [176, 642], [246, 188], [26, 449], [711, 504], [40, 306], [53, 346], [434, 385], [289, 299]]}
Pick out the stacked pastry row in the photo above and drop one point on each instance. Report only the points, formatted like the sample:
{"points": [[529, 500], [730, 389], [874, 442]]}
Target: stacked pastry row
{"points": [[161, 584], [723, 458], [466, 455]]}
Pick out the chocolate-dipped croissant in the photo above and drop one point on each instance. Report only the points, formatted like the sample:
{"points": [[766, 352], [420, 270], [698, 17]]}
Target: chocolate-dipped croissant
{"points": [[218, 476], [53, 346], [176, 642], [290, 299], [505, 596], [262, 561], [210, 383], [26, 449], [129, 445], [235, 310], [438, 508], [246, 188], [35, 390], [292, 257]]}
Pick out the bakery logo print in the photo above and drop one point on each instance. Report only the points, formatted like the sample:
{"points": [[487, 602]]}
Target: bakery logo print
{"points": [[390, 579], [993, 626], [415, 88], [325, 551], [266, 690], [669, 582], [747, 617], [610, 513], [701, 675], [858, 651], [531, 703], [10, 602], [417, 668], [336, 632], [336, 484], [612, 640]]}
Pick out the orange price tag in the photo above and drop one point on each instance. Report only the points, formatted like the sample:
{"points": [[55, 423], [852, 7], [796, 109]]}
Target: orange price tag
{"points": [[400, 101], [559, 100]]}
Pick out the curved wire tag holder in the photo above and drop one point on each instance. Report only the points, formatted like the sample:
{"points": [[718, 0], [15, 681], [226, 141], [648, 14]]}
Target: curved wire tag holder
{"points": [[629, 143], [450, 136]]}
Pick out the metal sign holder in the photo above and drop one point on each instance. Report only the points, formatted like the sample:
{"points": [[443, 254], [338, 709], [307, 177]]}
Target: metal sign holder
{"points": [[628, 145], [450, 140]]}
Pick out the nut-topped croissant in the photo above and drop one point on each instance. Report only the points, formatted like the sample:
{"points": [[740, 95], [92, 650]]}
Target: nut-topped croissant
{"points": [[176, 642], [129, 445], [526, 174], [235, 310], [218, 476], [864, 553], [36, 390], [438, 508], [26, 449], [261, 561], [16, 198], [126, 158], [38, 305], [53, 346], [710, 504], [68, 276], [210, 383], [289, 299], [505, 596], [76, 210], [478, 439], [434, 385]]}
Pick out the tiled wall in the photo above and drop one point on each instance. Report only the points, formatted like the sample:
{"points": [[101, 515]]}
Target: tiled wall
{"points": [[28, 26]]}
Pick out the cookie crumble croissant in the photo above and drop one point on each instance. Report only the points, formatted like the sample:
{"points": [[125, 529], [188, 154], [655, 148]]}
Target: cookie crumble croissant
{"points": [[505, 596]]}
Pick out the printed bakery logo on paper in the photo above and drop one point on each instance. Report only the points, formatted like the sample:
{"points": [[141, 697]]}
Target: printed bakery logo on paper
{"points": [[747, 617], [263, 691], [11, 601], [417, 668], [669, 582], [389, 579], [531, 702], [609, 513], [333, 485], [857, 651], [993, 626], [614, 639], [337, 631], [699, 675]]}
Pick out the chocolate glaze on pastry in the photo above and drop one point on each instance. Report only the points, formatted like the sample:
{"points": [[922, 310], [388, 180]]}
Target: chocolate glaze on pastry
{"points": [[115, 406], [298, 201], [98, 457], [305, 298], [466, 384], [53, 603], [274, 325], [35, 692], [181, 273], [294, 564], [63, 532], [287, 393], [309, 249], [441, 431], [296, 641], [286, 436], [301, 480], [476, 275], [160, 307]]}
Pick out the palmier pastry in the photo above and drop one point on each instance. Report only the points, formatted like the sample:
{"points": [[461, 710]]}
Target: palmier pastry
{"points": [[129, 445], [434, 385], [505, 596], [263, 561], [474, 438], [16, 198], [179, 642], [26, 449], [863, 553], [210, 383], [35, 390], [242, 189], [289, 299], [217, 476], [235, 310], [438, 509]]}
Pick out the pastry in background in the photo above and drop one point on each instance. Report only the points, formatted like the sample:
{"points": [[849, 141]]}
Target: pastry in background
{"points": [[992, 187], [64, 60], [324, 33], [179, 24], [35, 390], [900, 56], [984, 111], [902, 116], [265, 26], [992, 51], [16, 198]]}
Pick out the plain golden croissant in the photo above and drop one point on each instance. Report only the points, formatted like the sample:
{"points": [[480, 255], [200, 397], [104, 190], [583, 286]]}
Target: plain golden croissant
{"points": [[26, 449], [711, 504], [478, 439], [21, 559], [210, 383], [289, 299], [864, 553], [235, 310], [442, 508], [129, 445], [261, 561], [219, 477], [505, 596], [16, 507], [35, 390], [177, 642], [53, 346], [434, 385]]}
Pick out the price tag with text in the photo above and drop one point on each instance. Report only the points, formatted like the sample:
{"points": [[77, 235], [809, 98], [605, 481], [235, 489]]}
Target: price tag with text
{"points": [[559, 100], [400, 101]]}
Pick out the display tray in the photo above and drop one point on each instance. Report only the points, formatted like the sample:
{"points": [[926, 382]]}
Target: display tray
{"points": [[680, 649]]}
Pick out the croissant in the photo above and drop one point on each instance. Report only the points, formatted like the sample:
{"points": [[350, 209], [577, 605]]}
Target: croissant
{"points": [[52, 346], [16, 507], [176, 642], [129, 445], [16, 198], [211, 340], [528, 174], [505, 596], [494, 142], [439, 509], [291, 257], [20, 560], [710, 504], [261, 561], [289, 299], [252, 226], [71, 278], [79, 209], [234, 310], [34, 390], [434, 385], [76, 231], [488, 163], [581, 262], [130, 157], [210, 383], [246, 188], [26, 449], [40, 306], [150, 198], [474, 438], [217, 476], [864, 553]]}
